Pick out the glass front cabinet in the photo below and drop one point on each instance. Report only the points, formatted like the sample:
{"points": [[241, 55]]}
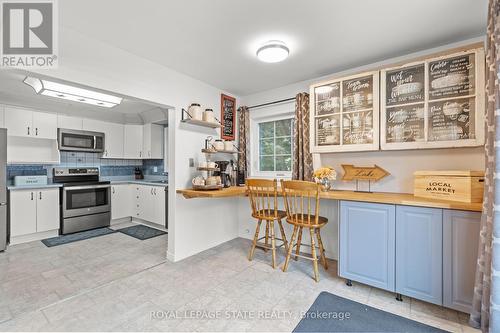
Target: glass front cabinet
{"points": [[434, 103], [344, 114]]}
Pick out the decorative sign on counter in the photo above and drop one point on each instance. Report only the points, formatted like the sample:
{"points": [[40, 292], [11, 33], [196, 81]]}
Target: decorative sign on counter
{"points": [[374, 173], [405, 85], [452, 77], [228, 117]]}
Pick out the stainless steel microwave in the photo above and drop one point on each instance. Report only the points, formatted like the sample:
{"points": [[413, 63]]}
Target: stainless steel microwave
{"points": [[77, 140]]}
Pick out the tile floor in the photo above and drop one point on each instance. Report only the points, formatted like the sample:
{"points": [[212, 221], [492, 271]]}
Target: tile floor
{"points": [[118, 283]]}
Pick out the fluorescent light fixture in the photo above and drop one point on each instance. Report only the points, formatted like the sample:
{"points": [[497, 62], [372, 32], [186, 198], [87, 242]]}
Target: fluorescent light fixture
{"points": [[323, 89], [273, 51], [71, 93]]}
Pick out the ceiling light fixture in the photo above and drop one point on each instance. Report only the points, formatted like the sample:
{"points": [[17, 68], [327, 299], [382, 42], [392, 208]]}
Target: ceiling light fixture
{"points": [[273, 51], [71, 93]]}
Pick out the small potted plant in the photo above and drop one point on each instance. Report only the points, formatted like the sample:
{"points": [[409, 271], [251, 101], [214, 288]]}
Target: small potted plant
{"points": [[325, 176]]}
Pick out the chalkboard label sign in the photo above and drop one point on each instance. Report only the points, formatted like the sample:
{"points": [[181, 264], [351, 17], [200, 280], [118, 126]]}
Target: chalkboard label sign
{"points": [[358, 93], [405, 85], [452, 120], [452, 77], [405, 123], [228, 117]]}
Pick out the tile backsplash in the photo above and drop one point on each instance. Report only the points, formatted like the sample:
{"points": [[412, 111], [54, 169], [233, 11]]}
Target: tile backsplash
{"points": [[108, 167]]}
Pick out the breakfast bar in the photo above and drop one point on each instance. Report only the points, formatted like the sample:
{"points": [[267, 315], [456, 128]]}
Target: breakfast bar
{"points": [[412, 246], [405, 199]]}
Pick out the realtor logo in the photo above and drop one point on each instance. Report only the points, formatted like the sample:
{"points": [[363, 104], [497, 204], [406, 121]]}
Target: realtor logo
{"points": [[29, 34]]}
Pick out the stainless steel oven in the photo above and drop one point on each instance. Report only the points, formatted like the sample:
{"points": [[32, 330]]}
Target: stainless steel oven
{"points": [[85, 201], [77, 140]]}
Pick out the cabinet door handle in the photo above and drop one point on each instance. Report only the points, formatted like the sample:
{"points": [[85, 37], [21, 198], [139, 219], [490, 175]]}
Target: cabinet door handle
{"points": [[36, 131], [155, 191], [113, 190], [28, 130], [151, 191], [140, 154], [149, 153], [31, 195], [40, 193]]}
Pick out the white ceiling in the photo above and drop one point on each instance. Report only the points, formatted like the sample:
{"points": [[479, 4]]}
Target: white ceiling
{"points": [[14, 92], [215, 40]]}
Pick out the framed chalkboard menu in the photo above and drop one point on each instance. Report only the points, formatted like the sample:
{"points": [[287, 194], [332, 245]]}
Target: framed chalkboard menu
{"points": [[228, 117], [436, 102], [345, 114]]}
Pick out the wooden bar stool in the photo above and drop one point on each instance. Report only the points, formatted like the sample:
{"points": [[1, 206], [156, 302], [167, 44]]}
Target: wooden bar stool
{"points": [[302, 210], [263, 194]]}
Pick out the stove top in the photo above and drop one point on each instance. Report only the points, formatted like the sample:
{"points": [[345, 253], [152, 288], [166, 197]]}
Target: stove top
{"points": [[69, 184]]}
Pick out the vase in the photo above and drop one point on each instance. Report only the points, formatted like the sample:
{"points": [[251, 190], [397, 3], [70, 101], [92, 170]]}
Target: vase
{"points": [[325, 183]]}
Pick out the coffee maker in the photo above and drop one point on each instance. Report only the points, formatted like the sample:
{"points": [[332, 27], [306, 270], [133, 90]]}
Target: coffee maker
{"points": [[223, 173]]}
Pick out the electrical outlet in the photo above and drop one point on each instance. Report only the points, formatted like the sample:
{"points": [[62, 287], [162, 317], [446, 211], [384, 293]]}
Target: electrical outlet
{"points": [[191, 162], [155, 169]]}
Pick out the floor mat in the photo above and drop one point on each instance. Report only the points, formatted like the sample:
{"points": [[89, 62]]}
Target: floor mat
{"points": [[331, 313], [141, 232], [78, 236]]}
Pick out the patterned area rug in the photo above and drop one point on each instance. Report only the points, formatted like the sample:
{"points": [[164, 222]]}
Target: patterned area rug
{"points": [[141, 232], [78, 236], [331, 313]]}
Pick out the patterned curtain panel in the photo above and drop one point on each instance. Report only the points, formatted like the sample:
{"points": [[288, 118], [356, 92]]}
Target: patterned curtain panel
{"points": [[486, 304], [244, 139], [302, 158]]}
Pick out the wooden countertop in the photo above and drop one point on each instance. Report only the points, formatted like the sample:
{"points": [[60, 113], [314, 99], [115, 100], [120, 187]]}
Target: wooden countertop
{"points": [[405, 199]]}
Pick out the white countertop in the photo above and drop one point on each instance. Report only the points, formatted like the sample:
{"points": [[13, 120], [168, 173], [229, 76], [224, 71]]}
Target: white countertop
{"points": [[152, 181]]}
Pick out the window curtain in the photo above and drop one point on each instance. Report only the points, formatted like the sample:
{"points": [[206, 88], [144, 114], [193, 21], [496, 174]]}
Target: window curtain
{"points": [[244, 139], [486, 303], [302, 159]]}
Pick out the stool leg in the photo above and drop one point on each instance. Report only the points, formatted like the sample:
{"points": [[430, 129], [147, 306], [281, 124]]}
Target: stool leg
{"points": [[299, 240], [283, 236], [267, 235], [290, 248], [254, 243], [321, 249], [273, 243], [315, 258]]}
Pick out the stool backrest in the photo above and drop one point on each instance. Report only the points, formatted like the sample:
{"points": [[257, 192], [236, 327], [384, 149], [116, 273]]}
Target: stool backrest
{"points": [[263, 194], [301, 201]]}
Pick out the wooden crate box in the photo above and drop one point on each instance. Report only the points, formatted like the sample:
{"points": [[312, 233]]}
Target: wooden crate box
{"points": [[463, 186]]}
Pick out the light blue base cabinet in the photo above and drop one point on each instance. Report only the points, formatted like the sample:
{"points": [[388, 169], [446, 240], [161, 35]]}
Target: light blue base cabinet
{"points": [[367, 243], [460, 246], [419, 256]]}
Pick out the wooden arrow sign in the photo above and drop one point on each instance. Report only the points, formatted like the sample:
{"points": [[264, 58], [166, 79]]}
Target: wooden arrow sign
{"points": [[373, 173]]}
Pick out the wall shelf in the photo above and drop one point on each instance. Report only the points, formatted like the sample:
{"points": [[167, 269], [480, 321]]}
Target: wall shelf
{"points": [[186, 118]]}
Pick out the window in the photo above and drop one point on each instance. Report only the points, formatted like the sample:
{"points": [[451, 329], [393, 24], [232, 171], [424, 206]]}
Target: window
{"points": [[273, 154]]}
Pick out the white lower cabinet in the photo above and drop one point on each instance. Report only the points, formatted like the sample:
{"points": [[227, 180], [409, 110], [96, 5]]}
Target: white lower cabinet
{"points": [[144, 202], [33, 211], [121, 201]]}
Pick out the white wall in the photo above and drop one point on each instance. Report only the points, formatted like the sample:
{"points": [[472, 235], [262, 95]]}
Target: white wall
{"points": [[90, 62], [401, 164]]}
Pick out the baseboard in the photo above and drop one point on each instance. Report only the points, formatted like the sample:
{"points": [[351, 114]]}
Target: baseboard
{"points": [[121, 220], [149, 224], [33, 237]]}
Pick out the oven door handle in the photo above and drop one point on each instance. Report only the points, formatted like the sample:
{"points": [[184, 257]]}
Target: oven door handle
{"points": [[87, 187]]}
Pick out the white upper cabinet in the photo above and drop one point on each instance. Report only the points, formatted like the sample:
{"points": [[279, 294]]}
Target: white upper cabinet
{"points": [[133, 142], [69, 122], [344, 114], [152, 141], [28, 123], [2, 116], [436, 102], [113, 136], [45, 125]]}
